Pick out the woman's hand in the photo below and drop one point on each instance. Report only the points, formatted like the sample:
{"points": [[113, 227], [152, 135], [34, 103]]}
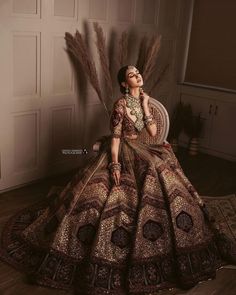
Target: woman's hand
{"points": [[116, 176], [145, 98], [115, 173]]}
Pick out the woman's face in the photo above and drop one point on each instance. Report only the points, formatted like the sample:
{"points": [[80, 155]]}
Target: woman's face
{"points": [[133, 78]]}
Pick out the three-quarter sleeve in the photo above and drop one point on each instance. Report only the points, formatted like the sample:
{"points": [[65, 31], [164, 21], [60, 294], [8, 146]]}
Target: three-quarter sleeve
{"points": [[117, 119]]}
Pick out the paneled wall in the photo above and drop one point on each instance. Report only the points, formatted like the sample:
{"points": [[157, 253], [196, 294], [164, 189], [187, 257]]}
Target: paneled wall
{"points": [[42, 111]]}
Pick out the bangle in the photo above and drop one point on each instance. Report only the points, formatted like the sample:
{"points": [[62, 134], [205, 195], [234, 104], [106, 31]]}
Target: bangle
{"points": [[114, 166], [148, 120], [148, 117], [150, 123]]}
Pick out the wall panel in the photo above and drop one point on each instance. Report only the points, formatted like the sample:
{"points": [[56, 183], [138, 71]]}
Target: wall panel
{"points": [[26, 136], [62, 71], [26, 67], [62, 131], [98, 9], [65, 8], [25, 6]]}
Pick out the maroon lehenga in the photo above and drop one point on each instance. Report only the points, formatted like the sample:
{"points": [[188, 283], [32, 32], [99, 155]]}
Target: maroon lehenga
{"points": [[147, 234]]}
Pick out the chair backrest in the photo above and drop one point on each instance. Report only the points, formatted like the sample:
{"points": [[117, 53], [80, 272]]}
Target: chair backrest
{"points": [[161, 117]]}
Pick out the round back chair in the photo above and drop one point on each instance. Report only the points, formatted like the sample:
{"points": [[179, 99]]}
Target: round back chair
{"points": [[161, 117]]}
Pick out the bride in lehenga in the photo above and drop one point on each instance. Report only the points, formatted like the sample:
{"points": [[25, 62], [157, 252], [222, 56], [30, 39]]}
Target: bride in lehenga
{"points": [[129, 222]]}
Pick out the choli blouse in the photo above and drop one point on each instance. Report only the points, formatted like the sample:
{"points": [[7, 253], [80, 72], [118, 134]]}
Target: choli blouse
{"points": [[121, 124]]}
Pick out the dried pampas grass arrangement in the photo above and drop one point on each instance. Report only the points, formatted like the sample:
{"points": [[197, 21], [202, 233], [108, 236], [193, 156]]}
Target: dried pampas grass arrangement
{"points": [[151, 56], [142, 53], [101, 48], [123, 49], [78, 47], [146, 62]]}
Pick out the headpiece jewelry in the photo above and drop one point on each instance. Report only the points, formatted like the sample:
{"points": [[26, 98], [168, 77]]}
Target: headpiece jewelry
{"points": [[131, 67]]}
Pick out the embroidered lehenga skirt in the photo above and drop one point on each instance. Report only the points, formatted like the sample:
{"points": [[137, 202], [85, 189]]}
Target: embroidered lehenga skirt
{"points": [[146, 234]]}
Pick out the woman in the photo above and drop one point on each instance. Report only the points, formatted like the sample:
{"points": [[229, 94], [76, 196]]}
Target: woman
{"points": [[130, 222]]}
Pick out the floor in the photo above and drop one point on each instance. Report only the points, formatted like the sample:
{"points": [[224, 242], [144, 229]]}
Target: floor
{"points": [[209, 175]]}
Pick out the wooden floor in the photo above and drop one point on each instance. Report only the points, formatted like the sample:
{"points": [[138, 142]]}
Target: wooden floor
{"points": [[210, 175]]}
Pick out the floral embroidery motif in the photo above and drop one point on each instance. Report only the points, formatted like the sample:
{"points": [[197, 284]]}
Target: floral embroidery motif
{"points": [[120, 123], [152, 230], [116, 280], [136, 274], [184, 221], [102, 275], [120, 237], [116, 119], [153, 274], [86, 233], [167, 268]]}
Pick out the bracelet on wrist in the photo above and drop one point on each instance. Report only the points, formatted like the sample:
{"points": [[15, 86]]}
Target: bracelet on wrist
{"points": [[114, 166], [150, 122], [148, 117]]}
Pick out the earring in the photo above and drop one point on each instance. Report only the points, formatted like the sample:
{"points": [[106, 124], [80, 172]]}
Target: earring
{"points": [[126, 91]]}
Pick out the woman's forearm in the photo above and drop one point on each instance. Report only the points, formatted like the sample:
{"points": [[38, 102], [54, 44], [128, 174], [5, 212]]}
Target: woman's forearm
{"points": [[146, 110], [115, 143], [151, 128]]}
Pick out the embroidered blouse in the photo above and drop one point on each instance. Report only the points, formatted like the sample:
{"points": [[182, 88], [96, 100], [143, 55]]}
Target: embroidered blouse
{"points": [[121, 124]]}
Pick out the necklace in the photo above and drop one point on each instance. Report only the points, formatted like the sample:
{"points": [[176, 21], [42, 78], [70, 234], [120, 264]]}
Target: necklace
{"points": [[136, 109]]}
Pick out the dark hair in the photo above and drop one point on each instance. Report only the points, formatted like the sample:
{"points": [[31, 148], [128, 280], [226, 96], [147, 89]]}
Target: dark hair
{"points": [[121, 77]]}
